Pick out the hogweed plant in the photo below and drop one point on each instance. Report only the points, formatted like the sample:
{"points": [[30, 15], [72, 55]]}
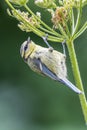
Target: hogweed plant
{"points": [[65, 17]]}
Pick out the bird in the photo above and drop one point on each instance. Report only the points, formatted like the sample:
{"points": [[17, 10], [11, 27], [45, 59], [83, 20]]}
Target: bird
{"points": [[47, 62]]}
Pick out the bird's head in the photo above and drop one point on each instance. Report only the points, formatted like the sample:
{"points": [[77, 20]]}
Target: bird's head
{"points": [[27, 48]]}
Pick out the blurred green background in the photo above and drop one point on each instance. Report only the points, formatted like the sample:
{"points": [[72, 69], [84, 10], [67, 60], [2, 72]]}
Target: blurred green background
{"points": [[27, 100]]}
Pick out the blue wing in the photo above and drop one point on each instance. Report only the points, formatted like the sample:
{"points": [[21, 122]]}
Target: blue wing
{"points": [[45, 70]]}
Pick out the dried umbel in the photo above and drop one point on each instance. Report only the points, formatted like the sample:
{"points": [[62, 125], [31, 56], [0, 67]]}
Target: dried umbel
{"points": [[29, 19], [60, 16]]}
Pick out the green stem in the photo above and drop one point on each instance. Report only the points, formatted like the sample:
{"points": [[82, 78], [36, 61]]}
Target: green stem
{"points": [[77, 77], [79, 12], [72, 21], [48, 31], [62, 31], [82, 29]]}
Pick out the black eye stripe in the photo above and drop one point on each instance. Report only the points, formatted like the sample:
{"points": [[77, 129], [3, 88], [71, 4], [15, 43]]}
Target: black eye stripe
{"points": [[26, 46]]}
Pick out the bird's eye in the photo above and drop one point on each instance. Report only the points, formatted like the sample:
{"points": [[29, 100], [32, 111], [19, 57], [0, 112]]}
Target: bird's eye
{"points": [[26, 46], [61, 62]]}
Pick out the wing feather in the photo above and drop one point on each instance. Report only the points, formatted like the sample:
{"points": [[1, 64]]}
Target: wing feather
{"points": [[45, 70]]}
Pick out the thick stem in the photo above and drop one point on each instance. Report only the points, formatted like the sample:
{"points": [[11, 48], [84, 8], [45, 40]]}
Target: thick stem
{"points": [[77, 77]]}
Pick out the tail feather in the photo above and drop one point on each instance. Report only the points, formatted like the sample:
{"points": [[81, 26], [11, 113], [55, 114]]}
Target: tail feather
{"points": [[71, 86]]}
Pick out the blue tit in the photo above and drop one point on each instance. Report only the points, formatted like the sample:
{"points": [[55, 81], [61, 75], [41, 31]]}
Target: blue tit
{"points": [[47, 62]]}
